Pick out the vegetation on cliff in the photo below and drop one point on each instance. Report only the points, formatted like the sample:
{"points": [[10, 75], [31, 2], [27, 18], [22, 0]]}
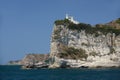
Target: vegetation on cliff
{"points": [[107, 29], [90, 29], [118, 21], [62, 22], [72, 53]]}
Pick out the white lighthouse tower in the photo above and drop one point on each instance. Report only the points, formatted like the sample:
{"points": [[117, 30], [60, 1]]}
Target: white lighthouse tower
{"points": [[70, 18]]}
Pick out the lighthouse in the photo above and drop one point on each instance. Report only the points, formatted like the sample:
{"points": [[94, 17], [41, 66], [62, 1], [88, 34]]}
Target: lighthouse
{"points": [[70, 18]]}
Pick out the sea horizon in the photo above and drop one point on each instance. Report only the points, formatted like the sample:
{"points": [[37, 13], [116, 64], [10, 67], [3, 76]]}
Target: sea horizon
{"points": [[13, 72]]}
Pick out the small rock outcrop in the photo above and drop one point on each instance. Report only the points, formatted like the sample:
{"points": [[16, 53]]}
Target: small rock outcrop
{"points": [[35, 60], [17, 62]]}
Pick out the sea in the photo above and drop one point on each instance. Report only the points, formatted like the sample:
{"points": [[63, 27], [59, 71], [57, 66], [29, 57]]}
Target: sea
{"points": [[8, 72]]}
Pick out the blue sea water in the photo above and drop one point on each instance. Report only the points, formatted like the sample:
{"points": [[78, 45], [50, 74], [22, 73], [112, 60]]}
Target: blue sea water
{"points": [[16, 73]]}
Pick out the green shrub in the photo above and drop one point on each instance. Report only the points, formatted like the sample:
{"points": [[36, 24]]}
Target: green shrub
{"points": [[93, 54], [108, 29], [112, 50], [80, 26], [62, 22], [118, 21], [57, 34], [73, 53], [84, 44]]}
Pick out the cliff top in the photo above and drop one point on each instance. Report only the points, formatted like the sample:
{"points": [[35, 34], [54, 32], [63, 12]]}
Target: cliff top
{"points": [[111, 27]]}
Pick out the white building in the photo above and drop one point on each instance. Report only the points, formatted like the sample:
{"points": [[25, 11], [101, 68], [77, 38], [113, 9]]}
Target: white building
{"points": [[71, 19]]}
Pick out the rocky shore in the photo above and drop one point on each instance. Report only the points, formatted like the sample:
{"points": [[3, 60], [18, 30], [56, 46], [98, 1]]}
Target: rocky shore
{"points": [[79, 46]]}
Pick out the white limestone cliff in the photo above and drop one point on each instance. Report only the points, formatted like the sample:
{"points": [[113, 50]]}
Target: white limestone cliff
{"points": [[102, 50]]}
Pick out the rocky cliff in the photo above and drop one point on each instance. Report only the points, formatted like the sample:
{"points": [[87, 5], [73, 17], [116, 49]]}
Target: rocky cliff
{"points": [[84, 45], [17, 62], [33, 59]]}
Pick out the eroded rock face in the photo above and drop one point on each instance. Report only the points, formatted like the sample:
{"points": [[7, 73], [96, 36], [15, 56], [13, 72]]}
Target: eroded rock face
{"points": [[32, 59], [101, 49]]}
